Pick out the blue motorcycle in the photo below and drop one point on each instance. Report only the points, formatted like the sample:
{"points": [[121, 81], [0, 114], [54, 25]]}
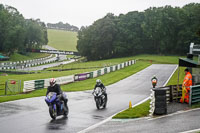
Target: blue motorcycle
{"points": [[56, 106]]}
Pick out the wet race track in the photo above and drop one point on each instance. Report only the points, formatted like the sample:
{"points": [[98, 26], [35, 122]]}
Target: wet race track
{"points": [[31, 115]]}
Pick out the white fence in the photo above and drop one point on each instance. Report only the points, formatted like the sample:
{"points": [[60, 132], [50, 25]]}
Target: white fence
{"points": [[26, 63], [29, 86]]}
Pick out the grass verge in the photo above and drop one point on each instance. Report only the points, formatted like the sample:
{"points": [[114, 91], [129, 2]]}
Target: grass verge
{"points": [[141, 110]]}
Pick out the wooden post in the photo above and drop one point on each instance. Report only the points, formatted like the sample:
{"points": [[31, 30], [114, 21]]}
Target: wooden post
{"points": [[178, 78]]}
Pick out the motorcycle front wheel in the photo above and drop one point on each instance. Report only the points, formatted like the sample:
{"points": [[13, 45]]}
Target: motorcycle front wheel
{"points": [[97, 100], [52, 112]]}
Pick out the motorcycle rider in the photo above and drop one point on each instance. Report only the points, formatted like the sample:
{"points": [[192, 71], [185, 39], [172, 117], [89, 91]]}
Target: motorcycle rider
{"points": [[103, 88], [56, 88], [154, 80]]}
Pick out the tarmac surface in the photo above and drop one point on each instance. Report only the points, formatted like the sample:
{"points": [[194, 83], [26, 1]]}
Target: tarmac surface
{"points": [[42, 67], [182, 121], [31, 115]]}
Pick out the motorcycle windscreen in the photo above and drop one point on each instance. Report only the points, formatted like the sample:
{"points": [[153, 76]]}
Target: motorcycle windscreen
{"points": [[51, 96], [98, 91]]}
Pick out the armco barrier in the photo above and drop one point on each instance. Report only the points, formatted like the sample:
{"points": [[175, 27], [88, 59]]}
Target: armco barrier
{"points": [[60, 80], [82, 76], [194, 94], [23, 64], [111, 69], [98, 73], [95, 74], [44, 83], [91, 74], [29, 86], [102, 72], [65, 79]]}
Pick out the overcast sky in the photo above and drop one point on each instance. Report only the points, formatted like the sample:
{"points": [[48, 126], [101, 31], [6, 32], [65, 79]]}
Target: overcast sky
{"points": [[84, 12]]}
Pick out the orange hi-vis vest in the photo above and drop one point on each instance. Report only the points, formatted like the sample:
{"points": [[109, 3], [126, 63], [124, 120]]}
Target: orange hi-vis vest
{"points": [[187, 82]]}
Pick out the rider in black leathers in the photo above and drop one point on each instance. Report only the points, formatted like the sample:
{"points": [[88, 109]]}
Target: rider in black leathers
{"points": [[100, 84], [56, 88]]}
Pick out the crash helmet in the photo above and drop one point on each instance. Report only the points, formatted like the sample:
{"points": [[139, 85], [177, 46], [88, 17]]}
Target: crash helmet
{"points": [[52, 82], [98, 81]]}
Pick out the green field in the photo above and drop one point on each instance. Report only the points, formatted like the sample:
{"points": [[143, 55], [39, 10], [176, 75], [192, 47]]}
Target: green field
{"points": [[62, 40]]}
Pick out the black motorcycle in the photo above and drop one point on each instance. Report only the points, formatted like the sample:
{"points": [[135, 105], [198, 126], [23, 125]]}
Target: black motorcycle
{"points": [[100, 98]]}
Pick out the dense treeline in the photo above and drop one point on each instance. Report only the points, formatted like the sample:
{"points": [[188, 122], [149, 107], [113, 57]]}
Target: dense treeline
{"points": [[62, 26], [18, 33], [164, 30]]}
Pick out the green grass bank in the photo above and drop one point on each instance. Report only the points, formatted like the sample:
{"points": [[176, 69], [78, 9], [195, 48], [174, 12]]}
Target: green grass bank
{"points": [[62, 40]]}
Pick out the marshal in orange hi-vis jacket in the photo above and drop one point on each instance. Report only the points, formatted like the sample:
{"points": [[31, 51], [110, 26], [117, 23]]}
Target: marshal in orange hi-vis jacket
{"points": [[187, 82]]}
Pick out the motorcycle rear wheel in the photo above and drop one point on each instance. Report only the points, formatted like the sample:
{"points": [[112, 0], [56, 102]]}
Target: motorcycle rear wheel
{"points": [[104, 106], [67, 111]]}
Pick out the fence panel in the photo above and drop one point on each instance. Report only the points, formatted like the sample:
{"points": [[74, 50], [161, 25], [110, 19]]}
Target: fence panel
{"points": [[98, 72], [12, 87], [2, 89], [108, 69], [95, 74], [194, 94]]}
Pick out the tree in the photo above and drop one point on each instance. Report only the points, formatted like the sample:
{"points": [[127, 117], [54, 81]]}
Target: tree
{"points": [[95, 42], [17, 33], [163, 30]]}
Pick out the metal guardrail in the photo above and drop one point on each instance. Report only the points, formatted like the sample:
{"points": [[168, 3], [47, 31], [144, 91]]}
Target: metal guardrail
{"points": [[26, 63]]}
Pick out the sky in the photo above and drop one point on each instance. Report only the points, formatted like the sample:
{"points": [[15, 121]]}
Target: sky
{"points": [[84, 12]]}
